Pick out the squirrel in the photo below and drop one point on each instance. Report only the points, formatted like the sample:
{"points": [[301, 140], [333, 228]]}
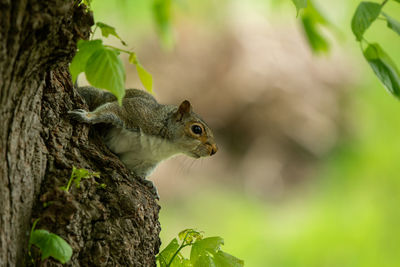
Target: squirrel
{"points": [[142, 132]]}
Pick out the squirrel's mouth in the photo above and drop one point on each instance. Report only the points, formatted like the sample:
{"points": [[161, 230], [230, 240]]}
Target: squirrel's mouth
{"points": [[196, 156], [193, 155], [202, 151]]}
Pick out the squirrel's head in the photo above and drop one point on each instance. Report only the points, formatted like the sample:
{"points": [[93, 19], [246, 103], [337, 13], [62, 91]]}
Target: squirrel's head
{"points": [[196, 138]]}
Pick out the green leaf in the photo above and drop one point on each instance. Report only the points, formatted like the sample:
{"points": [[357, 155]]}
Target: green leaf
{"points": [[205, 246], [316, 15], [186, 263], [315, 39], [51, 245], [162, 17], [104, 69], [384, 68], [223, 259], [299, 5], [211, 244], [133, 58], [204, 261], [392, 23], [79, 174], [106, 30], [86, 3], [166, 254], [144, 76], [190, 235], [365, 14], [179, 261], [85, 51]]}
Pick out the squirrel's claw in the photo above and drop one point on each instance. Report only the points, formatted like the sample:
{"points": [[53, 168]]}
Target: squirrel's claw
{"points": [[149, 184], [79, 115]]}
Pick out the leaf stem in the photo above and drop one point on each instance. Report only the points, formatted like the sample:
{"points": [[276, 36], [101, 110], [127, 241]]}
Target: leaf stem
{"points": [[384, 2], [361, 47], [33, 229], [179, 249], [365, 40], [94, 31], [176, 253], [30, 236], [119, 49], [69, 183], [163, 259]]}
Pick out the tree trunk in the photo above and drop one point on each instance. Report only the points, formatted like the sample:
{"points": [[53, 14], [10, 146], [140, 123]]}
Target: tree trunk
{"points": [[116, 225]]}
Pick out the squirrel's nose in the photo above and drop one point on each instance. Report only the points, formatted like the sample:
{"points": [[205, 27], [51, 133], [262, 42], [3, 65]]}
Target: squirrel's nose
{"points": [[214, 149]]}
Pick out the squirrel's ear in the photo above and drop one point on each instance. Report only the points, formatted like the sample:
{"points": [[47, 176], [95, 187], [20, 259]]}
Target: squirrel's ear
{"points": [[184, 108]]}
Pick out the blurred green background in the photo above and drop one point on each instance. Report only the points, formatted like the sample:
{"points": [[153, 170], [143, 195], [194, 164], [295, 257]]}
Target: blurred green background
{"points": [[336, 199]]}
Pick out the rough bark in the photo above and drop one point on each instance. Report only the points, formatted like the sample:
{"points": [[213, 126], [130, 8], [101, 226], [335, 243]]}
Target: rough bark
{"points": [[112, 226]]}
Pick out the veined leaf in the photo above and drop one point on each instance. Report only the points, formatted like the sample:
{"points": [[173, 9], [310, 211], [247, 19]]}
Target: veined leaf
{"points": [[223, 259], [85, 51], [165, 256], [186, 263], [365, 14], [104, 69], [180, 261], [106, 30], [392, 23], [299, 5], [205, 260], [51, 245], [384, 68], [204, 247]]}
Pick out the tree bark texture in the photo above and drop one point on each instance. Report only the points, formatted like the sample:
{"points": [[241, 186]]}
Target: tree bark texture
{"points": [[112, 226]]}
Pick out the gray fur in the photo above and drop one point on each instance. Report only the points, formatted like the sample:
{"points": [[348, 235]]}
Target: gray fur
{"points": [[144, 132]]}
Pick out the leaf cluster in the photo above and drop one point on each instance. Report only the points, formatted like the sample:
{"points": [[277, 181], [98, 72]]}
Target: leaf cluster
{"points": [[52, 245], [204, 252], [102, 65], [77, 175], [381, 63], [366, 13]]}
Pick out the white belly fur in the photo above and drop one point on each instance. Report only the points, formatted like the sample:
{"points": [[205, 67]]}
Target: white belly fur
{"points": [[141, 153]]}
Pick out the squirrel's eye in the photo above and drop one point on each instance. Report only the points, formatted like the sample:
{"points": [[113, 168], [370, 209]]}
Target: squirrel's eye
{"points": [[197, 129]]}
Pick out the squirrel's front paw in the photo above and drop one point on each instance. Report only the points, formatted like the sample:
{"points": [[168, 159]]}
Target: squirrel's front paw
{"points": [[80, 115]]}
